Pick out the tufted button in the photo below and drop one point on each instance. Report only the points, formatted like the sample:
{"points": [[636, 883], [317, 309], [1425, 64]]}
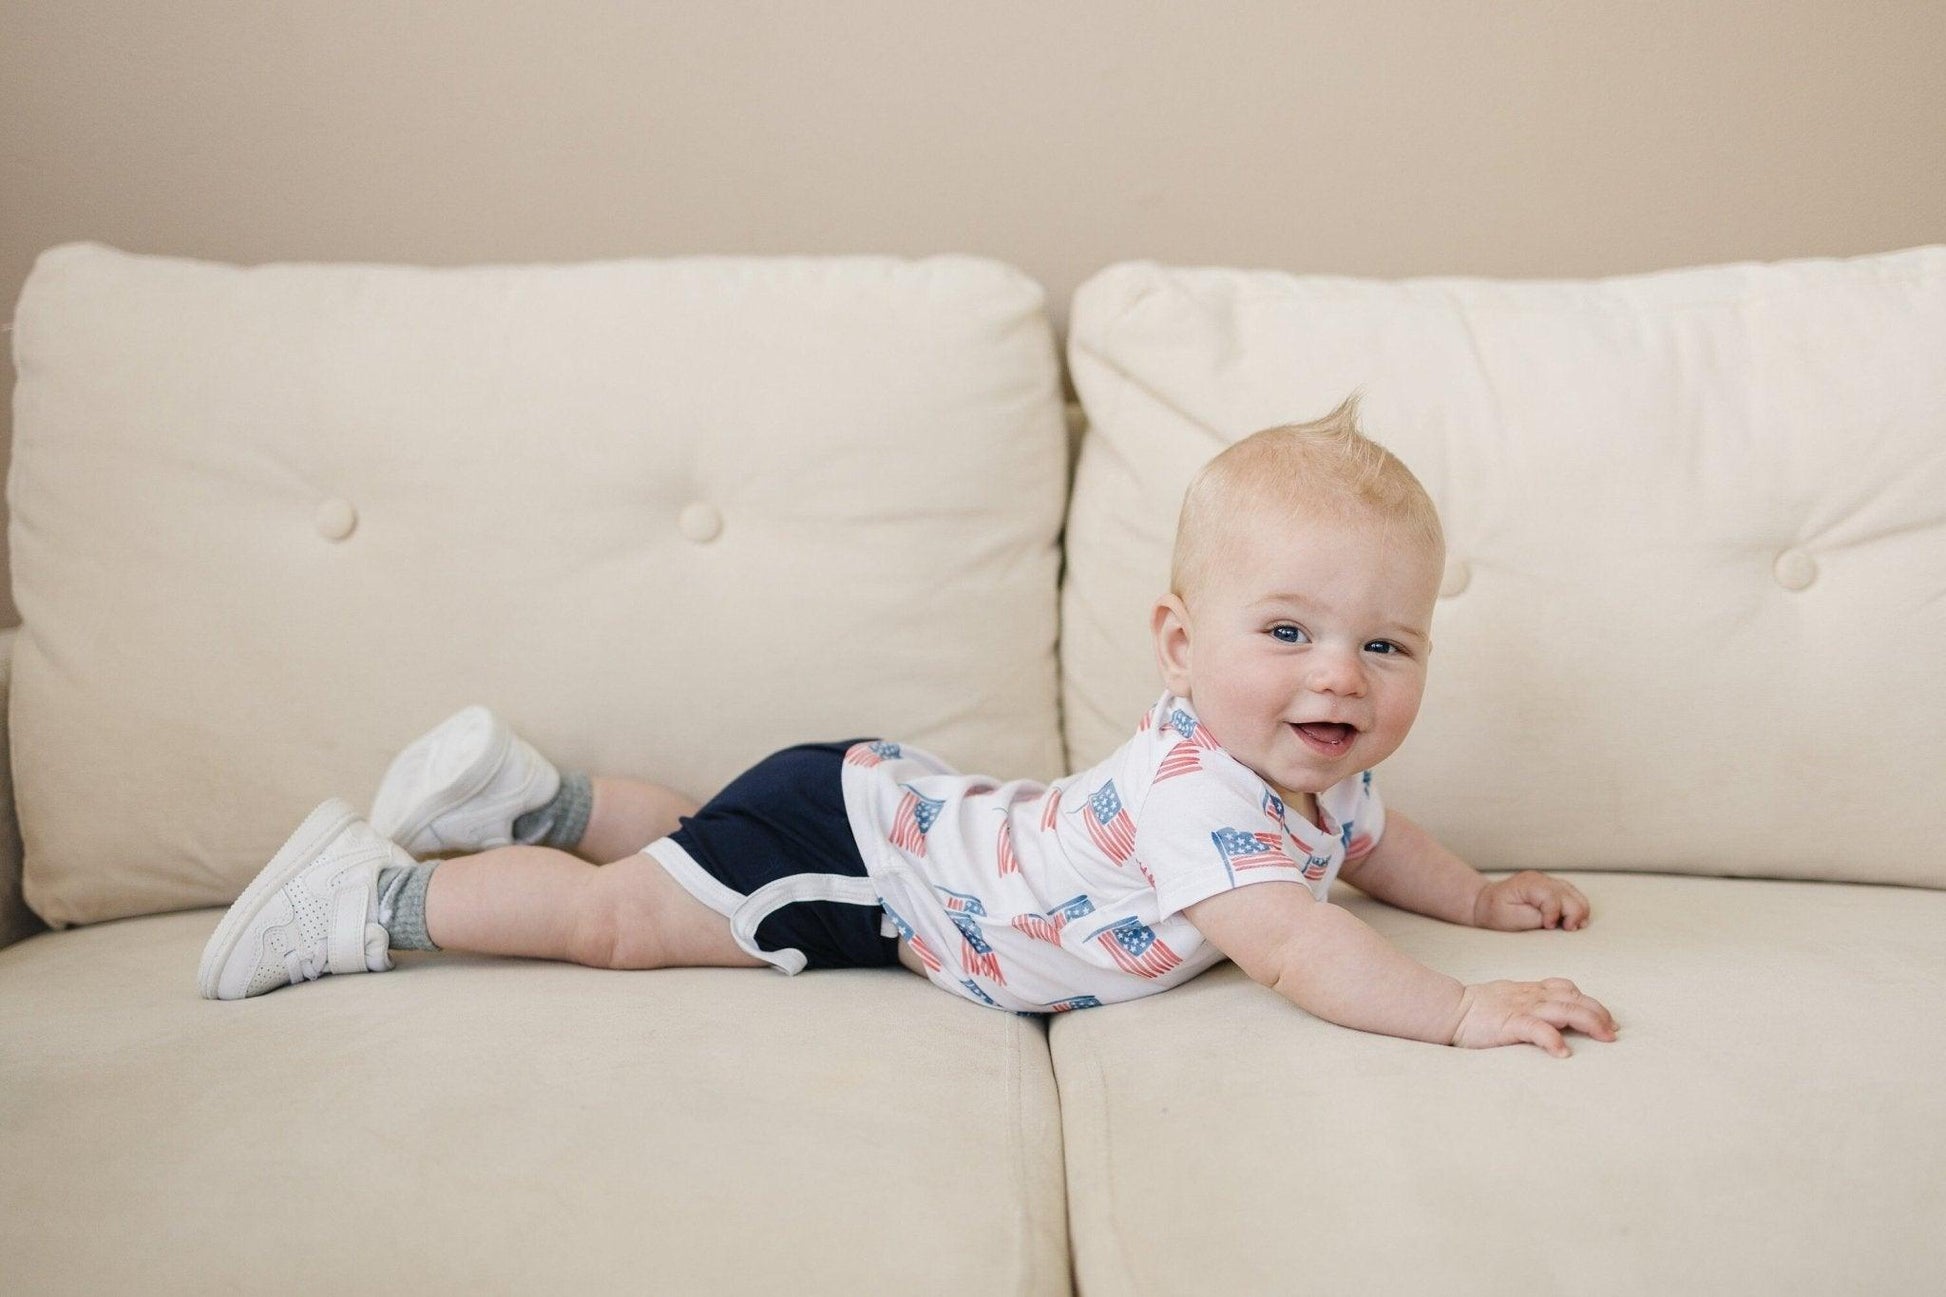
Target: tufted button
{"points": [[1795, 569], [335, 519], [1456, 578], [700, 522]]}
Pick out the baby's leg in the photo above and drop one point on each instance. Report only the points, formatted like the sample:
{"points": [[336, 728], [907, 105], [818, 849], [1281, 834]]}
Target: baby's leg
{"points": [[546, 904], [628, 814], [629, 913]]}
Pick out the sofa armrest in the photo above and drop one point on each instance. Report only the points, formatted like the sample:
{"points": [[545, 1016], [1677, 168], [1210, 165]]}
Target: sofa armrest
{"points": [[16, 920]]}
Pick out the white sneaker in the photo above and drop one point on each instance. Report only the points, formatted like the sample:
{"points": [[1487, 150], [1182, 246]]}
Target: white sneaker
{"points": [[312, 910], [461, 785]]}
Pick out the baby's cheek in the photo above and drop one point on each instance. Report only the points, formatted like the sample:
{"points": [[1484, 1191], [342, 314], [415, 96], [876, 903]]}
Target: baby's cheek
{"points": [[1399, 713], [1391, 730]]}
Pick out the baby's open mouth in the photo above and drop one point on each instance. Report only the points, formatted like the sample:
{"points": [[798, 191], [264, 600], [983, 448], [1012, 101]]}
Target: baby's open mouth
{"points": [[1326, 736]]}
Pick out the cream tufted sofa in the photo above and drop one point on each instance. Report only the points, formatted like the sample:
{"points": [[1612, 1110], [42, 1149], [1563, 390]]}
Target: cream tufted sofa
{"points": [[269, 523]]}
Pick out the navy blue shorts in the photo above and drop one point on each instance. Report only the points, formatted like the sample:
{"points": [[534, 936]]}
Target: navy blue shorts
{"points": [[784, 818]]}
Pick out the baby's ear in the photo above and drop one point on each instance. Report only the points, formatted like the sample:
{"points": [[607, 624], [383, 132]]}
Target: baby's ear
{"points": [[1169, 623]]}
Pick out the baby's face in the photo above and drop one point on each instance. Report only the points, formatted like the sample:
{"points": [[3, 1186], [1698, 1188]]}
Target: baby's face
{"points": [[1313, 621]]}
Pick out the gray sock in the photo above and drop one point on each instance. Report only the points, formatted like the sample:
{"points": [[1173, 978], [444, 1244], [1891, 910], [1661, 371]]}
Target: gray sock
{"points": [[562, 821], [402, 905]]}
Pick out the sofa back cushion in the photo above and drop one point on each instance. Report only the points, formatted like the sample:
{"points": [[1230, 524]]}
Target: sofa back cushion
{"points": [[1696, 531], [666, 516]]}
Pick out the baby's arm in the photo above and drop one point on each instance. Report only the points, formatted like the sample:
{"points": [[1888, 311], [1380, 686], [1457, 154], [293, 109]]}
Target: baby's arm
{"points": [[1331, 964], [1410, 869]]}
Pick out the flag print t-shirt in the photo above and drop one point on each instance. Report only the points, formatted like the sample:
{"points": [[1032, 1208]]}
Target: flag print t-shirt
{"points": [[1041, 898]]}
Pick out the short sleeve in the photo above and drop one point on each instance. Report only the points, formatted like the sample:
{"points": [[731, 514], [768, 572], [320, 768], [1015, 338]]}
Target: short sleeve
{"points": [[1209, 824], [1360, 813]]}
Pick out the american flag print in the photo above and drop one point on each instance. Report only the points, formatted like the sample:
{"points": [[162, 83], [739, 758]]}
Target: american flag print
{"points": [[1135, 948], [1299, 838], [1047, 927], [1003, 848], [1314, 865], [1053, 807], [1192, 729], [973, 989], [976, 956], [1040, 927], [1074, 1002], [961, 902], [1109, 825], [913, 939], [1241, 849], [914, 816], [1355, 845], [1074, 907], [1185, 758], [871, 754]]}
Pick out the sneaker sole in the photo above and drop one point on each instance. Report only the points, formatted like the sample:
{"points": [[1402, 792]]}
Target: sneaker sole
{"points": [[472, 781], [300, 849]]}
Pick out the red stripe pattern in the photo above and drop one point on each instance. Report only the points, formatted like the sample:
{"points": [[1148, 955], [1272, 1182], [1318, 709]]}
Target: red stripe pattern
{"points": [[976, 956], [1052, 807], [1136, 949], [914, 816], [1110, 827], [1242, 849], [1185, 758], [1004, 848]]}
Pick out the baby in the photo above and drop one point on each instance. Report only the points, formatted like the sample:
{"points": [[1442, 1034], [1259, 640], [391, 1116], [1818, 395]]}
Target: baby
{"points": [[1293, 646]]}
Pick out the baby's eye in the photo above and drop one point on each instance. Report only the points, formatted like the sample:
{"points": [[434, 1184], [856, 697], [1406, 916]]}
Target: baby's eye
{"points": [[1295, 630], [1386, 646]]}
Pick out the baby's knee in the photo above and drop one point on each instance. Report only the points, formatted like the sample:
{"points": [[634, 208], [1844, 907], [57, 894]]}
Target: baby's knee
{"points": [[616, 929], [639, 916]]}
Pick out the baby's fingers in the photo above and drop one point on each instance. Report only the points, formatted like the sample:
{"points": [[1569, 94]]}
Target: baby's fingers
{"points": [[1593, 1006], [1532, 1028], [1584, 1014]]}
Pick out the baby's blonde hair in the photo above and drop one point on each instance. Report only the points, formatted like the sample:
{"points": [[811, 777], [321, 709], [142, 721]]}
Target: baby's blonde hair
{"points": [[1325, 466]]}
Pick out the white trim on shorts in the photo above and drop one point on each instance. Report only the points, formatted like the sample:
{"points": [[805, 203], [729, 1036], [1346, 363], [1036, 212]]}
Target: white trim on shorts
{"points": [[746, 912]]}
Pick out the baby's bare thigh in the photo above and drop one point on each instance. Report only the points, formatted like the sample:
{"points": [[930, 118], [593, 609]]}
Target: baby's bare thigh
{"points": [[658, 924]]}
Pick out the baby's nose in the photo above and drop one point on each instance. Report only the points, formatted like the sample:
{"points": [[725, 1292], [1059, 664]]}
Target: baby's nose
{"points": [[1337, 674]]}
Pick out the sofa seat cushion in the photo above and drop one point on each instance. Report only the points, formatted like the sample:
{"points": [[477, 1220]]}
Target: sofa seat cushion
{"points": [[472, 1124], [1770, 1119]]}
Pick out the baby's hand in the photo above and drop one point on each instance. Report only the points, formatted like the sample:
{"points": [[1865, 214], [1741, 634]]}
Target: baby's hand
{"points": [[1518, 1013], [1530, 899]]}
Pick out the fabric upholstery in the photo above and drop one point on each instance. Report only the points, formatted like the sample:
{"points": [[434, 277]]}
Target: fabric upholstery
{"points": [[471, 1124], [16, 920], [270, 523], [1695, 524], [1768, 1121]]}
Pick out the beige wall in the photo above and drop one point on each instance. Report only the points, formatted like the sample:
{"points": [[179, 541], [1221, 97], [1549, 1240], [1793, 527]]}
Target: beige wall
{"points": [[1352, 136]]}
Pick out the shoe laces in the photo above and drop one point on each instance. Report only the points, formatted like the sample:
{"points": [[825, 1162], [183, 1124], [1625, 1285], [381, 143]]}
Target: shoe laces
{"points": [[307, 965]]}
